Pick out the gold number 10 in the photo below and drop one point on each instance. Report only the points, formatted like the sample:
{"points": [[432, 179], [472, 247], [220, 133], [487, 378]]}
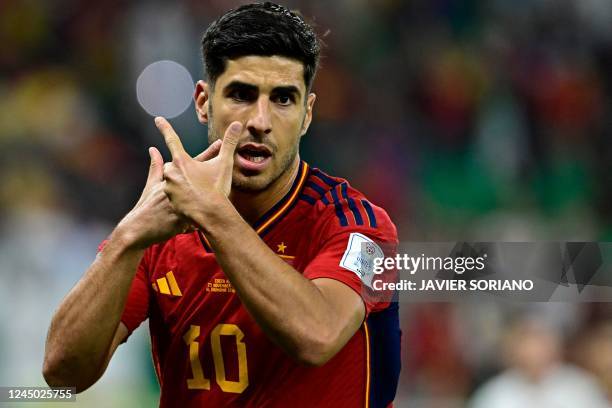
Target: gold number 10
{"points": [[199, 382]]}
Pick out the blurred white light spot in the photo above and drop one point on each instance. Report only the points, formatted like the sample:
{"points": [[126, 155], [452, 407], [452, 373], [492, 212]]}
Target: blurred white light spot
{"points": [[164, 88]]}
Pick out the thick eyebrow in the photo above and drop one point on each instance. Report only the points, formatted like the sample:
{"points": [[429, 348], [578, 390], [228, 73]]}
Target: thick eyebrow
{"points": [[284, 89], [287, 89], [240, 85]]}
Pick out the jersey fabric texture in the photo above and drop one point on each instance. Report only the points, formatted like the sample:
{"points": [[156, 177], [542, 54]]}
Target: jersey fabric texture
{"points": [[208, 351]]}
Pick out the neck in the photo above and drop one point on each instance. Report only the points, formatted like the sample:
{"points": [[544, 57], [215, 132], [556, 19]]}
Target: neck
{"points": [[253, 205]]}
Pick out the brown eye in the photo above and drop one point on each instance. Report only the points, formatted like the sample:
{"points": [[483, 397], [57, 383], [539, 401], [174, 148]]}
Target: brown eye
{"points": [[239, 95], [242, 95], [283, 100]]}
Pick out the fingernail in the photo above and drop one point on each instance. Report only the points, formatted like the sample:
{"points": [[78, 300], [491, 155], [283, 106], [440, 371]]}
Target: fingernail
{"points": [[158, 120], [236, 127]]}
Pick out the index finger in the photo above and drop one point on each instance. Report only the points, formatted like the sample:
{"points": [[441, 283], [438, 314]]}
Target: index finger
{"points": [[210, 152], [170, 137]]}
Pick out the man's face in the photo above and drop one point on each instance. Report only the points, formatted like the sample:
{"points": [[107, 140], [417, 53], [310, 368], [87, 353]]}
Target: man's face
{"points": [[268, 96]]}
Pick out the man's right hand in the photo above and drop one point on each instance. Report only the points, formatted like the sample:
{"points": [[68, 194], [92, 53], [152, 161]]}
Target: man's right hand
{"points": [[152, 219]]}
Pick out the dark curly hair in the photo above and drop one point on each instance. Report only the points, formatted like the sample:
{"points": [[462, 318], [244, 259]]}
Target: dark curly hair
{"points": [[264, 29]]}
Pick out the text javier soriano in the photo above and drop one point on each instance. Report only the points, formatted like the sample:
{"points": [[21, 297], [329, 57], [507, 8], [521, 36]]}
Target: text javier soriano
{"points": [[405, 264]]}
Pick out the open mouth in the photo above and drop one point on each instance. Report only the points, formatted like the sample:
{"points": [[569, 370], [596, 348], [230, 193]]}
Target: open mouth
{"points": [[254, 153]]}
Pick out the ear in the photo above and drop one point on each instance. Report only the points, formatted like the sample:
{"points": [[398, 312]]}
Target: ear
{"points": [[201, 97], [308, 118]]}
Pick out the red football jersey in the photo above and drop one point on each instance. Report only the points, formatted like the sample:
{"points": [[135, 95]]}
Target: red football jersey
{"points": [[208, 351]]}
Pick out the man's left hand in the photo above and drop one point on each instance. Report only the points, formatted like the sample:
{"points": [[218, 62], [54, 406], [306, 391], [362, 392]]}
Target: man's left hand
{"points": [[192, 184]]}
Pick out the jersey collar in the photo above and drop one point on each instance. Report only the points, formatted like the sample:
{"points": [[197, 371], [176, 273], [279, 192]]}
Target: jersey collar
{"points": [[284, 205], [278, 211]]}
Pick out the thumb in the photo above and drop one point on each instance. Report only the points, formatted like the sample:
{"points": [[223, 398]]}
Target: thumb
{"points": [[156, 170], [230, 141]]}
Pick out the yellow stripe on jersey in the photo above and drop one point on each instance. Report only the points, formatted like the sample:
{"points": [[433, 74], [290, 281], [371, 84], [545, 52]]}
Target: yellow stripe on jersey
{"points": [[173, 285], [286, 256], [162, 284]]}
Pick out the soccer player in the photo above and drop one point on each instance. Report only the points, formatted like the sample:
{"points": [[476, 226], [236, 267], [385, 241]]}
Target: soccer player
{"points": [[251, 266]]}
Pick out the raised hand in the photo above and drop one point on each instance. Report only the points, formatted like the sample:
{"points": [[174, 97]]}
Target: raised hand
{"points": [[192, 184], [153, 219]]}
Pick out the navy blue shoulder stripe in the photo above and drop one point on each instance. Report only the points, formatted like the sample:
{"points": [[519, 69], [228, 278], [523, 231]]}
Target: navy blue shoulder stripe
{"points": [[311, 200], [325, 178], [351, 204], [337, 201], [338, 207], [316, 187], [370, 212], [320, 190], [308, 199]]}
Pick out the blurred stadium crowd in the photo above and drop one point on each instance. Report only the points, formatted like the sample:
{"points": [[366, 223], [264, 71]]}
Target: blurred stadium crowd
{"points": [[466, 120]]}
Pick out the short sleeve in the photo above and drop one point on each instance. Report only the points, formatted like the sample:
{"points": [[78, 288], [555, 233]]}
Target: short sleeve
{"points": [[136, 308], [346, 254]]}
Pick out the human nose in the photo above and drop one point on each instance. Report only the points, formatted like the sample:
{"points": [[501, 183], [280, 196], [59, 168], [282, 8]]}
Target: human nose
{"points": [[261, 122]]}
